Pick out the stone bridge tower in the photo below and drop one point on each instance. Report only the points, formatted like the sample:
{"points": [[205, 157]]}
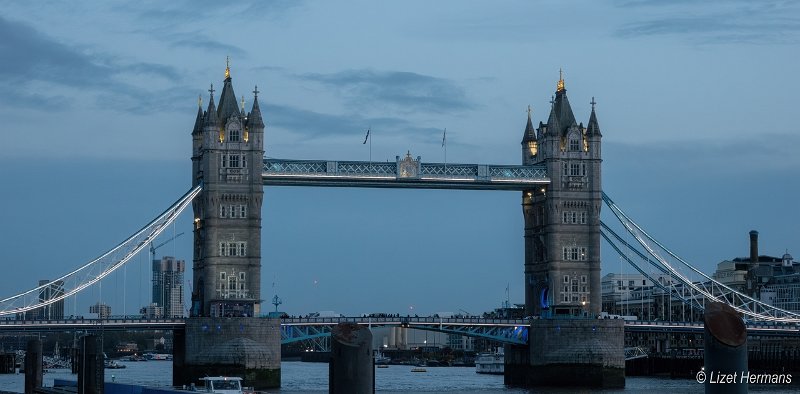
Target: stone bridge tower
{"points": [[562, 220], [223, 336], [227, 151]]}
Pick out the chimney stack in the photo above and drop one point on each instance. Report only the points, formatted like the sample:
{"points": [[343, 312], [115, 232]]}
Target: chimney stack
{"points": [[753, 248]]}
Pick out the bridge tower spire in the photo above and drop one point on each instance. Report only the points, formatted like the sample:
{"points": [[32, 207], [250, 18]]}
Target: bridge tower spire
{"points": [[227, 155], [562, 220]]}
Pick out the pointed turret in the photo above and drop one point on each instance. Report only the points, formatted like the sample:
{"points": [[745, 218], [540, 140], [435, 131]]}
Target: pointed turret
{"points": [[530, 147], [530, 132], [198, 122], [254, 119], [227, 100], [561, 116], [593, 128], [211, 113]]}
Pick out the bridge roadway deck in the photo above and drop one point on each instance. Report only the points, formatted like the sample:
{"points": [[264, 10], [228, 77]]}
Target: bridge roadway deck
{"points": [[401, 174], [128, 323]]}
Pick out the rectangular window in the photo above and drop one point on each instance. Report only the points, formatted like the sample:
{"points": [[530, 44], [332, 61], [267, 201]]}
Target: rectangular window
{"points": [[243, 211], [222, 250], [575, 169], [233, 135], [574, 145], [223, 211], [222, 276], [223, 160], [244, 161], [566, 257], [566, 169], [242, 248], [583, 169], [583, 254], [231, 211], [566, 278], [573, 254], [574, 217], [583, 217], [232, 249], [233, 161], [583, 278], [241, 276], [583, 289], [566, 289], [566, 217], [566, 298]]}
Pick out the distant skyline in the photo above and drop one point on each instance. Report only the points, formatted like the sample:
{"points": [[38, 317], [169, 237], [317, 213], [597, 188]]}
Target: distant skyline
{"points": [[695, 102]]}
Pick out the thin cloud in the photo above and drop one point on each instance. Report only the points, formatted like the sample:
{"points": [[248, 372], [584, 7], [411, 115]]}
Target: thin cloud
{"points": [[767, 22], [40, 62], [198, 10], [197, 40], [310, 124], [404, 90]]}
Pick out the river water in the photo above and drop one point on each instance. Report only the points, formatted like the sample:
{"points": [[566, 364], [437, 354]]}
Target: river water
{"points": [[298, 377]]}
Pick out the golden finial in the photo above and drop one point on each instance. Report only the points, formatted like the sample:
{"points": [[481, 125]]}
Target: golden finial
{"points": [[560, 85], [227, 67]]}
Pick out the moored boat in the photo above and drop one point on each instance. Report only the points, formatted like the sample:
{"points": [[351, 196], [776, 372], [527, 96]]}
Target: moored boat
{"points": [[491, 363]]}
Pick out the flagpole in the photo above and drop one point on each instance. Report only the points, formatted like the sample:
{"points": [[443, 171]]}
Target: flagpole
{"points": [[444, 142], [370, 146]]}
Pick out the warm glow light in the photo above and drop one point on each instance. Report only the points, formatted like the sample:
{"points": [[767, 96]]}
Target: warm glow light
{"points": [[246, 134], [533, 147], [221, 135]]}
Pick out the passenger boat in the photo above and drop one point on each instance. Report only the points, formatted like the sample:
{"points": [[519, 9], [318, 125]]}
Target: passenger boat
{"points": [[418, 369], [224, 385], [491, 363]]}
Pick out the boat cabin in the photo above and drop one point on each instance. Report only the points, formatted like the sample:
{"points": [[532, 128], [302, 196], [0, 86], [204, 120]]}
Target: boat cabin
{"points": [[223, 384]]}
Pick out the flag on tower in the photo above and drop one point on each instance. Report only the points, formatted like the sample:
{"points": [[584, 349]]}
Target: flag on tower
{"points": [[366, 138], [444, 137]]}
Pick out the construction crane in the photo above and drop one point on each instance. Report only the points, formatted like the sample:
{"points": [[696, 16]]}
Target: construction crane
{"points": [[153, 248]]}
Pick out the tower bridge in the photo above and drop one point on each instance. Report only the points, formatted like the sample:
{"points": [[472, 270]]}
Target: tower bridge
{"points": [[559, 181]]}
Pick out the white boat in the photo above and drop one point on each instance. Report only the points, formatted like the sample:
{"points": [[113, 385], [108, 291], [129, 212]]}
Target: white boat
{"points": [[491, 363], [223, 385], [381, 359]]}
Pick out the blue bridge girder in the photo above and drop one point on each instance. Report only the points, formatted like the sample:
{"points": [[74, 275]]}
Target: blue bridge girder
{"points": [[402, 174], [510, 331]]}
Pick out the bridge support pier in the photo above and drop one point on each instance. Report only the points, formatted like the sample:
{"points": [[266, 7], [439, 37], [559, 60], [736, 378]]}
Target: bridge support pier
{"points": [[33, 366], [352, 366], [517, 365], [577, 352], [247, 347]]}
